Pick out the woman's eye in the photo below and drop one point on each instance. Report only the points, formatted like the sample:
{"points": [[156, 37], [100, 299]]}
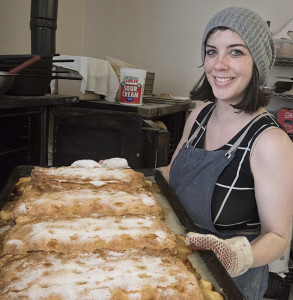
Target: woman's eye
{"points": [[236, 52], [210, 52]]}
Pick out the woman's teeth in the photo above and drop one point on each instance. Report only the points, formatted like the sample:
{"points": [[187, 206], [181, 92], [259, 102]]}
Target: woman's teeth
{"points": [[220, 79]]}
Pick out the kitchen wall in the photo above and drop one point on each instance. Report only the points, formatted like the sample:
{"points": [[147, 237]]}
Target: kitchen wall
{"points": [[162, 36], [15, 35]]}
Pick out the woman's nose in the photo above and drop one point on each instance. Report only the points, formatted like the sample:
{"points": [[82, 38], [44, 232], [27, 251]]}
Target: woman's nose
{"points": [[221, 62]]}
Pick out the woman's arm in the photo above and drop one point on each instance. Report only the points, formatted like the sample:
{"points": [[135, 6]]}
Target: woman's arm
{"points": [[187, 128], [272, 165]]}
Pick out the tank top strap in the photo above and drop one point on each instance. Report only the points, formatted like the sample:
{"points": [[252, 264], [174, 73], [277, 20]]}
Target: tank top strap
{"points": [[235, 146]]}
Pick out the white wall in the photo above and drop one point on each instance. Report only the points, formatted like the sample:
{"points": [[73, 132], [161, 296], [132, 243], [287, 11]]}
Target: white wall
{"points": [[15, 34], [162, 36]]}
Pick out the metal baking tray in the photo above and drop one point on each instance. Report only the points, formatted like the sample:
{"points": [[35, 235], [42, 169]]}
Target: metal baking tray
{"points": [[221, 276], [210, 267]]}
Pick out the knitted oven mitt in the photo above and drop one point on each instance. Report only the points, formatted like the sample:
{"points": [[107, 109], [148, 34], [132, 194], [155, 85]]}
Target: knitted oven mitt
{"points": [[235, 254]]}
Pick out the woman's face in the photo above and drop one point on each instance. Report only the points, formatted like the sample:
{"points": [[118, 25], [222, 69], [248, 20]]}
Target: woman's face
{"points": [[228, 65]]}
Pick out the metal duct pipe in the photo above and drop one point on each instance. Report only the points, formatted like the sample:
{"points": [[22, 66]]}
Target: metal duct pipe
{"points": [[43, 25]]}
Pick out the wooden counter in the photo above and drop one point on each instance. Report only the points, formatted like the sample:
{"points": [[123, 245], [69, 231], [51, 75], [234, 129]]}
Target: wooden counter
{"points": [[7, 102]]}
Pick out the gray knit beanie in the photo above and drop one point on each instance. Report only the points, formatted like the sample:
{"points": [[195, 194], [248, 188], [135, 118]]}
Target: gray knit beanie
{"points": [[253, 30]]}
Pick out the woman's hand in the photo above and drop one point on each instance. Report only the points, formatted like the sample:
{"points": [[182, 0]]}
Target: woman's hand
{"points": [[235, 254]]}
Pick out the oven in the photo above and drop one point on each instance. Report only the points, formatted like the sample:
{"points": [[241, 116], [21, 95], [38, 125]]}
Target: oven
{"points": [[99, 130], [78, 132], [24, 130], [81, 133], [22, 139]]}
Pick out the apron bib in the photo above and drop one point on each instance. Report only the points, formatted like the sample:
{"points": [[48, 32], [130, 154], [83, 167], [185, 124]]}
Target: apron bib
{"points": [[193, 176]]}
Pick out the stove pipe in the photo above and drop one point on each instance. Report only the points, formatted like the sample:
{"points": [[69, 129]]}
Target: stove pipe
{"points": [[43, 25]]}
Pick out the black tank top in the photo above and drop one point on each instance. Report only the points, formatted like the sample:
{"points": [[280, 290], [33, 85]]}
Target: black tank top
{"points": [[233, 203]]}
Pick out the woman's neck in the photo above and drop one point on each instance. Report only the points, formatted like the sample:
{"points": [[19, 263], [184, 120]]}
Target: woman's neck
{"points": [[224, 123], [225, 113]]}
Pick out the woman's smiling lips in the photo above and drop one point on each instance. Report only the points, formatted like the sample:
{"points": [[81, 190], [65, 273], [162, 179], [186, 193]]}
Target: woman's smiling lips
{"points": [[222, 81]]}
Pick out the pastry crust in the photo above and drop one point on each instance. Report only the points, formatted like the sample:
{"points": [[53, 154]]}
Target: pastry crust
{"points": [[127, 275], [68, 178], [86, 203], [21, 185], [90, 234]]}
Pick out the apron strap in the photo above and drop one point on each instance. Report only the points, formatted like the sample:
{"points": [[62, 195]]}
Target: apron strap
{"points": [[235, 146], [196, 132]]}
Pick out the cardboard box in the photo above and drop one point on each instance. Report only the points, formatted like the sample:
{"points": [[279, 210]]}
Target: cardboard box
{"points": [[285, 118]]}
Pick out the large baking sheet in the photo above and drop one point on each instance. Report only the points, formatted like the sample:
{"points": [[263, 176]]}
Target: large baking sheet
{"points": [[205, 262]]}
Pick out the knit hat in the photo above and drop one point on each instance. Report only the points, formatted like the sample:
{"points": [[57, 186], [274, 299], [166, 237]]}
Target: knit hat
{"points": [[253, 30]]}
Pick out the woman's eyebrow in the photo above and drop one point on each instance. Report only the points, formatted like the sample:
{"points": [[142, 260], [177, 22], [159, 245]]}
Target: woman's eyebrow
{"points": [[211, 46], [230, 46], [237, 45]]}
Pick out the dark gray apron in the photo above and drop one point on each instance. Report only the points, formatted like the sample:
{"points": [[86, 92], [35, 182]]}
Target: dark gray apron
{"points": [[193, 176]]}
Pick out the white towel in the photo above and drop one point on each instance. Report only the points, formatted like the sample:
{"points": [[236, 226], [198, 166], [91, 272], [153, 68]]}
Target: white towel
{"points": [[98, 75]]}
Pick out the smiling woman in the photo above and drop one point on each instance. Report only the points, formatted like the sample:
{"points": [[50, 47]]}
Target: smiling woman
{"points": [[232, 166]]}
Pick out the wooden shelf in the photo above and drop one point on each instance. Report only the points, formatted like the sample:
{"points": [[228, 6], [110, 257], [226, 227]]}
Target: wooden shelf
{"points": [[281, 95], [284, 61]]}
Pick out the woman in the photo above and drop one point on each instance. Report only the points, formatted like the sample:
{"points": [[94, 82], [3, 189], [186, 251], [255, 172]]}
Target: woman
{"points": [[232, 169]]}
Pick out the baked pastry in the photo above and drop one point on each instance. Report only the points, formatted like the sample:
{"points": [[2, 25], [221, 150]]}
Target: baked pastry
{"points": [[5, 225], [68, 178], [86, 203], [21, 185], [106, 275], [86, 163], [89, 234], [92, 233], [7, 209], [115, 163]]}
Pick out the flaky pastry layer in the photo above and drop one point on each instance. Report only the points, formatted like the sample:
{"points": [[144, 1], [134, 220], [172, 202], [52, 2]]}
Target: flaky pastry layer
{"points": [[107, 275], [68, 178], [85, 203], [89, 234]]}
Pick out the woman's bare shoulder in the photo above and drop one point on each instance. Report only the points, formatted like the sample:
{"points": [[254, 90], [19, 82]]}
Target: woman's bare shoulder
{"points": [[274, 140], [273, 150]]}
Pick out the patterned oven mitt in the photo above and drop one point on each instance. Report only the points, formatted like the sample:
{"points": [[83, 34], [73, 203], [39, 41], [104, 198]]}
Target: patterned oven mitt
{"points": [[235, 254]]}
